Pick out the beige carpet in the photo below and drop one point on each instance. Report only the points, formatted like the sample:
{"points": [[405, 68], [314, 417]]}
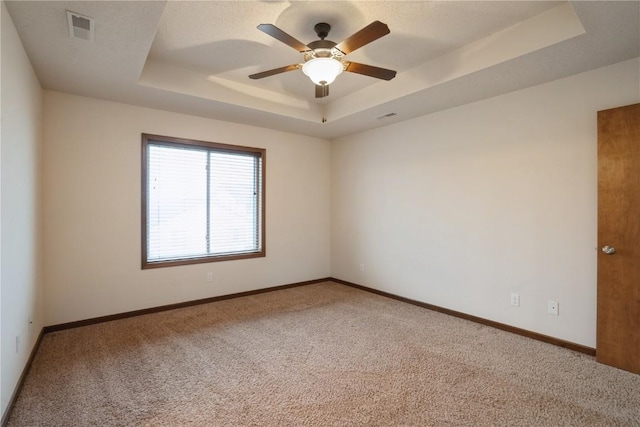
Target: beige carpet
{"points": [[317, 355]]}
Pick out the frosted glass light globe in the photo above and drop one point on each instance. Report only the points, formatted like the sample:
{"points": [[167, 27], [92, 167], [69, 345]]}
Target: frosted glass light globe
{"points": [[322, 71]]}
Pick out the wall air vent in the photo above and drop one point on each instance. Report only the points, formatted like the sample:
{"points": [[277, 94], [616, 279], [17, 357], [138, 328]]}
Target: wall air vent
{"points": [[386, 116], [80, 27]]}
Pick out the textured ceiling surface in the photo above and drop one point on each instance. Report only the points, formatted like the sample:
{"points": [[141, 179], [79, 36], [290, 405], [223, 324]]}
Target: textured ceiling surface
{"points": [[224, 40], [194, 57]]}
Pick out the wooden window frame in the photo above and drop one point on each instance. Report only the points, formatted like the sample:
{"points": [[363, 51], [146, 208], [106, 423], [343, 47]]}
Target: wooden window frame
{"points": [[213, 146]]}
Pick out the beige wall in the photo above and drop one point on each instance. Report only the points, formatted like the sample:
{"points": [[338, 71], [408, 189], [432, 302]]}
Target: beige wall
{"points": [[463, 207], [92, 210], [20, 278]]}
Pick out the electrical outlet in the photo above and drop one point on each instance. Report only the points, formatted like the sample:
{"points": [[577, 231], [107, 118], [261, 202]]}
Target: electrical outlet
{"points": [[17, 343], [361, 267], [515, 300], [209, 277], [553, 308]]}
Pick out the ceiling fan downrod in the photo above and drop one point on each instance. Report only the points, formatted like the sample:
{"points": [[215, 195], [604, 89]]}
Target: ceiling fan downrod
{"points": [[322, 30]]}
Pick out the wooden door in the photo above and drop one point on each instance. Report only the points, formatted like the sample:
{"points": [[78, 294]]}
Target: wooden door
{"points": [[618, 325]]}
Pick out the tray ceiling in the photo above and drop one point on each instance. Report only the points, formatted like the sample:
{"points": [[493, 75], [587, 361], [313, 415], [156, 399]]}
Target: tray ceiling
{"points": [[194, 57]]}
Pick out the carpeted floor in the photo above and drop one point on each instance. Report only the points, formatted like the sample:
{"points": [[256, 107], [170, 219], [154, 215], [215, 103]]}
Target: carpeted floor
{"points": [[317, 355]]}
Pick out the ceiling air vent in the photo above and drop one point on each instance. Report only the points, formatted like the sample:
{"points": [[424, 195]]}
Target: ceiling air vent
{"points": [[80, 27], [386, 116]]}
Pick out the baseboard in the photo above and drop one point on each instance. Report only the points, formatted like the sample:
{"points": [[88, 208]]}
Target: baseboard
{"points": [[526, 333], [25, 371], [108, 318]]}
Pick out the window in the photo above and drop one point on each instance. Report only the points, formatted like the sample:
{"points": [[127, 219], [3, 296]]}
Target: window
{"points": [[201, 201]]}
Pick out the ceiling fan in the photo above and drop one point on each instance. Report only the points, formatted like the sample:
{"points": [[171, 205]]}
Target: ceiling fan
{"points": [[323, 59]]}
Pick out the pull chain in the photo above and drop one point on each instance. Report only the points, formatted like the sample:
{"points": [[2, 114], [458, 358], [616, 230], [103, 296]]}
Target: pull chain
{"points": [[324, 104]]}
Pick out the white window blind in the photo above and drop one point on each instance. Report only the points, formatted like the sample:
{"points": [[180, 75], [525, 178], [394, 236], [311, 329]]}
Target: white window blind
{"points": [[201, 202]]}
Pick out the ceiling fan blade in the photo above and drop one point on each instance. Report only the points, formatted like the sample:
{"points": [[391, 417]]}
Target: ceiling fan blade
{"points": [[274, 71], [370, 70], [371, 32], [322, 91], [285, 38]]}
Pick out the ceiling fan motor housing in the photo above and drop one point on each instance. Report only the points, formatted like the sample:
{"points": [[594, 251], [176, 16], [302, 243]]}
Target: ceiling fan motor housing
{"points": [[322, 49]]}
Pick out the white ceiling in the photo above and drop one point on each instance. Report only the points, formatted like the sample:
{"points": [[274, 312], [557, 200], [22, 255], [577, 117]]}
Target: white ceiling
{"points": [[194, 57]]}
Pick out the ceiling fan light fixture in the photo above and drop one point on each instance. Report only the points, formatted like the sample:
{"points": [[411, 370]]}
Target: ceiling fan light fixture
{"points": [[322, 71]]}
